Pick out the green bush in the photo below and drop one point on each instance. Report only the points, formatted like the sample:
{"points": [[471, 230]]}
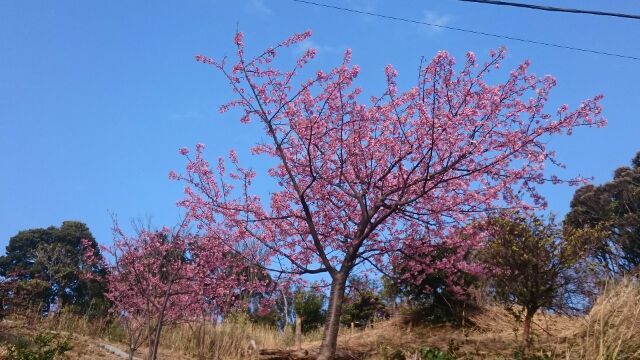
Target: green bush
{"points": [[521, 354], [433, 353], [45, 346], [388, 354], [426, 353]]}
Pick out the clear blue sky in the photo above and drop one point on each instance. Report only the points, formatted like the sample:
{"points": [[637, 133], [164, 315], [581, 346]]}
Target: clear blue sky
{"points": [[97, 96]]}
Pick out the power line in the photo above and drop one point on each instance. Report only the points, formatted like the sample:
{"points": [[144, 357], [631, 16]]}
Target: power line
{"points": [[389, 17], [553, 8]]}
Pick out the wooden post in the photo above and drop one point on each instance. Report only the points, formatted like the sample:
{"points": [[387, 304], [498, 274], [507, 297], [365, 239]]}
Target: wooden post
{"points": [[298, 332]]}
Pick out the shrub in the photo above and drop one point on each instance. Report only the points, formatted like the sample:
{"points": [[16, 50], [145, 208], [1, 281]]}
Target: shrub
{"points": [[434, 353], [45, 346]]}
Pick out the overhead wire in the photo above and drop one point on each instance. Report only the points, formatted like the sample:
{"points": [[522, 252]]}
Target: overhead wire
{"points": [[470, 31], [555, 8]]}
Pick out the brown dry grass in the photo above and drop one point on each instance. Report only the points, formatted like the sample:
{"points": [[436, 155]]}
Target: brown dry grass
{"points": [[495, 336], [82, 347], [222, 341], [612, 328], [610, 331]]}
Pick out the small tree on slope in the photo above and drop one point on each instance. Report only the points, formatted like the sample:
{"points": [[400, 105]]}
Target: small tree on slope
{"points": [[358, 181], [535, 267]]}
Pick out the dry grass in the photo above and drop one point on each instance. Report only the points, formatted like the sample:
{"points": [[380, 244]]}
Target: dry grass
{"points": [[82, 347], [495, 337], [609, 331], [222, 341], [69, 322], [612, 328]]}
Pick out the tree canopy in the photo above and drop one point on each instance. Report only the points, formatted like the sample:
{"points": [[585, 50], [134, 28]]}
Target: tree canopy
{"points": [[360, 180], [534, 267], [55, 259], [607, 217]]}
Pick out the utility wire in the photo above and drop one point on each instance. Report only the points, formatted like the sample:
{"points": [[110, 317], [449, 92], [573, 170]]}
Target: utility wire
{"points": [[553, 8], [389, 17]]}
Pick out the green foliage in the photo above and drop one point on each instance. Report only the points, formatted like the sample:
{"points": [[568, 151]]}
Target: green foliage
{"points": [[390, 292], [434, 311], [272, 318], [362, 308], [362, 304], [521, 354], [308, 304], [536, 267], [430, 294], [28, 294], [45, 266], [45, 346], [607, 218], [434, 353], [393, 355], [425, 353]]}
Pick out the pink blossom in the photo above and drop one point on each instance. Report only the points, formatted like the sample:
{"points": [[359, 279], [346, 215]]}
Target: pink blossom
{"points": [[238, 38]]}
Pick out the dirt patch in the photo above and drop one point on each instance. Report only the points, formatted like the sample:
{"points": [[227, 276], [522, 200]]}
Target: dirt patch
{"points": [[308, 354]]}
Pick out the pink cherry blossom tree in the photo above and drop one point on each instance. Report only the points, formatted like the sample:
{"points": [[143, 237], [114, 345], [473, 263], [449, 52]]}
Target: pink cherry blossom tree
{"points": [[151, 284], [360, 181], [161, 277]]}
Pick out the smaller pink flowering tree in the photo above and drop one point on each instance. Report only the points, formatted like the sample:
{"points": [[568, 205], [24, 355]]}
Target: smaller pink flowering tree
{"points": [[161, 277], [151, 283]]}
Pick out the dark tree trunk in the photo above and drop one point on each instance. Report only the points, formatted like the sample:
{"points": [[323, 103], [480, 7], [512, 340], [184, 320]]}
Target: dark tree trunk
{"points": [[153, 351], [332, 325], [526, 332]]}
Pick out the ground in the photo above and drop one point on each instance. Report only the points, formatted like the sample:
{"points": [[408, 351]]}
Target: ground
{"points": [[82, 347], [493, 335]]}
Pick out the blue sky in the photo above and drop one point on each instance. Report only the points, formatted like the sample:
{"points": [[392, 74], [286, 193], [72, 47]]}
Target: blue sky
{"points": [[96, 97]]}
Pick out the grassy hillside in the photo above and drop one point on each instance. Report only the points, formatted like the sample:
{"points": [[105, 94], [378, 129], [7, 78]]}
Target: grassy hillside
{"points": [[609, 331]]}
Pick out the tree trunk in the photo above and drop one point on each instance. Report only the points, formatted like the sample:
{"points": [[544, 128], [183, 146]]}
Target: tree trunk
{"points": [[149, 329], [526, 332], [131, 345], [332, 325], [286, 310], [298, 332], [153, 351], [153, 345]]}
